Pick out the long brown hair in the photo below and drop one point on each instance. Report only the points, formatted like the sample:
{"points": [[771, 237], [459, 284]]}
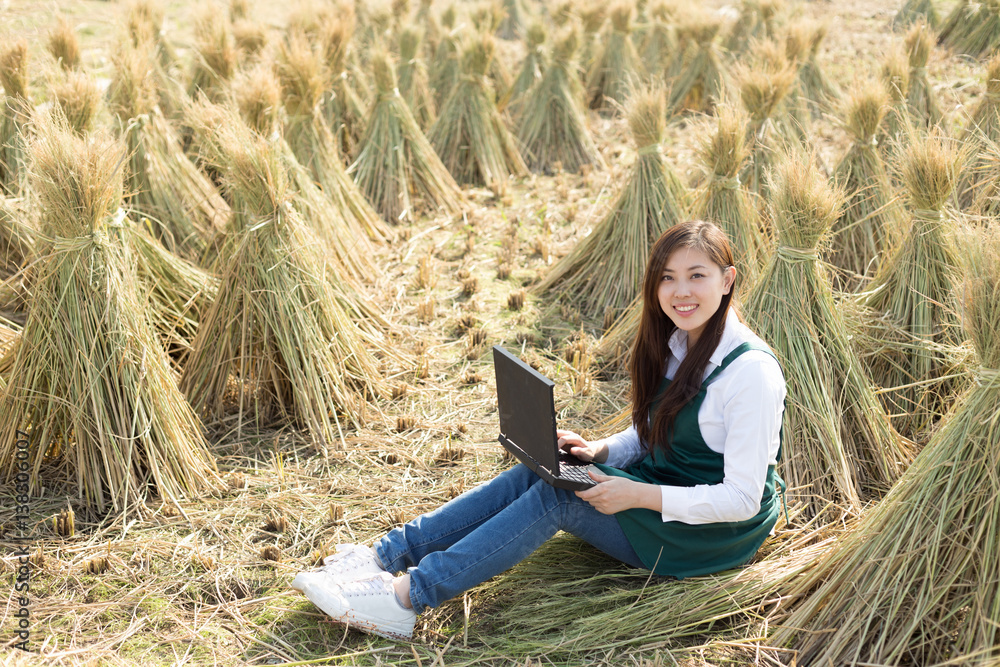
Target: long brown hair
{"points": [[651, 349]]}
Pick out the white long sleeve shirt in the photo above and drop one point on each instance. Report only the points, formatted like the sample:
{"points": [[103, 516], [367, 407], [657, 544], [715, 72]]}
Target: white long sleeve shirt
{"points": [[740, 419]]}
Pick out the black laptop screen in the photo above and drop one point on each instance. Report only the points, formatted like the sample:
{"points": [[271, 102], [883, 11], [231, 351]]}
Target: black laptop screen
{"points": [[527, 411]]}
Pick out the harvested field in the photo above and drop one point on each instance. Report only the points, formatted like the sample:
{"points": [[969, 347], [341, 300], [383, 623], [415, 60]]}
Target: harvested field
{"points": [[205, 580]]}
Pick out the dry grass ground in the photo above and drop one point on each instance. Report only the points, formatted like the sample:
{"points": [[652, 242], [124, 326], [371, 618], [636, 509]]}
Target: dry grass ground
{"points": [[206, 581]]}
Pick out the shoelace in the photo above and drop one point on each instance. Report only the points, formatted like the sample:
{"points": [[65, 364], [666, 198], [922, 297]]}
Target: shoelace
{"points": [[373, 586]]}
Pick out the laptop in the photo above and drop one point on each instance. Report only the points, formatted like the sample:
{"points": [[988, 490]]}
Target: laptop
{"points": [[528, 423]]}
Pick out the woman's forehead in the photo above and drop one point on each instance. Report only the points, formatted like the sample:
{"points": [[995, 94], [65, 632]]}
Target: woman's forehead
{"points": [[685, 258]]}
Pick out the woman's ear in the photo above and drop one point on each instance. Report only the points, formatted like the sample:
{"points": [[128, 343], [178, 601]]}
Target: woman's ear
{"points": [[728, 278]]}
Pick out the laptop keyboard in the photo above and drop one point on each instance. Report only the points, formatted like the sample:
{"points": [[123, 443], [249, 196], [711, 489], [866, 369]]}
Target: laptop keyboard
{"points": [[574, 470]]}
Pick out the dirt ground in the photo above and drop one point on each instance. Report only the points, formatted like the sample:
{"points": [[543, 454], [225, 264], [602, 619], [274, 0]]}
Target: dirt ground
{"points": [[194, 583]]}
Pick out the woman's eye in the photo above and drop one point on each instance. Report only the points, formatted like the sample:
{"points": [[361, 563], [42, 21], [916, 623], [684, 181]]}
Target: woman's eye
{"points": [[697, 275], [666, 278]]}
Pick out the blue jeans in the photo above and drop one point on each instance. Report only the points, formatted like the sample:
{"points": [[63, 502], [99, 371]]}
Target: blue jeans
{"points": [[489, 529]]}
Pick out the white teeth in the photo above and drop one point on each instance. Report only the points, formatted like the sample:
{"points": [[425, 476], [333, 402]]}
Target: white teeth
{"points": [[685, 309]]}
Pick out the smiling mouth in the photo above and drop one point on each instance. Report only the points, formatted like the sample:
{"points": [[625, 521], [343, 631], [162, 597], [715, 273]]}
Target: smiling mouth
{"points": [[684, 309]]}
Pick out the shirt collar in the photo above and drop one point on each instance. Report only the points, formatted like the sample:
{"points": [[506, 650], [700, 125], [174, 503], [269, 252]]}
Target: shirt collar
{"points": [[678, 341]]}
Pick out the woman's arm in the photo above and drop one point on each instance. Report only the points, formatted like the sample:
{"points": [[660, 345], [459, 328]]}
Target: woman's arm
{"points": [[615, 494], [617, 451]]}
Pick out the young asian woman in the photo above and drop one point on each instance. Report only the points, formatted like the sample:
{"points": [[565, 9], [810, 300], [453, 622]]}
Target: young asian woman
{"points": [[688, 489]]}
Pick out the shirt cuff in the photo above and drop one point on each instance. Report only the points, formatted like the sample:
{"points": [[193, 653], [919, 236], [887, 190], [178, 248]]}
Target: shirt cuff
{"points": [[676, 504]]}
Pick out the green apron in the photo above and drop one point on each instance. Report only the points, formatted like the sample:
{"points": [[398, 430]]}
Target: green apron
{"points": [[681, 549]]}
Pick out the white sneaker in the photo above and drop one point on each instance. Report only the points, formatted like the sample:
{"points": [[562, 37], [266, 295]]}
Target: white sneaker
{"points": [[369, 605], [350, 563]]}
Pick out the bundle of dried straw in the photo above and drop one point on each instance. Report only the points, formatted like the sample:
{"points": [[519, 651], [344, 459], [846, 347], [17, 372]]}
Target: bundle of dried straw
{"points": [[397, 167], [838, 443], [913, 293], [552, 126], [605, 268], [15, 112], [414, 84], [89, 379], [917, 582], [469, 134], [616, 68], [302, 78], [872, 220], [278, 330], [723, 199], [163, 184]]}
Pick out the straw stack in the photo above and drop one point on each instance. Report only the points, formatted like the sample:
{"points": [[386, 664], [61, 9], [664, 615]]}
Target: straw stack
{"points": [[278, 334], [17, 241], [179, 293], [144, 30], [660, 41], [311, 140], [345, 99], [819, 91], [15, 112], [914, 11], [469, 134], [397, 167], [982, 128], [592, 17], [552, 127], [872, 220], [64, 45], [972, 28], [757, 20], [486, 20], [791, 116], [214, 53], [917, 582], [763, 86], [722, 199], [444, 67], [414, 84], [515, 17], [617, 66], [164, 185], [896, 79], [912, 294], [605, 269], [532, 66], [78, 98], [258, 96], [924, 108], [87, 342], [838, 443], [699, 83]]}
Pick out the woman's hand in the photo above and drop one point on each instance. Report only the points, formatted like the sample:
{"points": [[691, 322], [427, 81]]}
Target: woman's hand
{"points": [[585, 451], [615, 494]]}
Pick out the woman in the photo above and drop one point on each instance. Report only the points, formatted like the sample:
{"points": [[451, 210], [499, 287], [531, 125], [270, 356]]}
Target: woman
{"points": [[688, 489]]}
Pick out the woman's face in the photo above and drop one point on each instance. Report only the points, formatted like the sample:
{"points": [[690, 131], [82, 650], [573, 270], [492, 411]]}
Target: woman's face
{"points": [[691, 289]]}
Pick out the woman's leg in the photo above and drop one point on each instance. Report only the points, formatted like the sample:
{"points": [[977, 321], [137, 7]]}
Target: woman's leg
{"points": [[498, 539], [438, 529]]}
